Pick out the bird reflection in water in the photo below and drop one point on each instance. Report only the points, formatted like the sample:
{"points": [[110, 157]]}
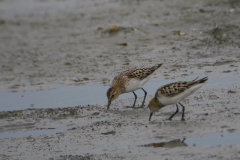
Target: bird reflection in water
{"points": [[171, 144]]}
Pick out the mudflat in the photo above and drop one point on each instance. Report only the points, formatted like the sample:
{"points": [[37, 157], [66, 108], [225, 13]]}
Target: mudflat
{"points": [[47, 44]]}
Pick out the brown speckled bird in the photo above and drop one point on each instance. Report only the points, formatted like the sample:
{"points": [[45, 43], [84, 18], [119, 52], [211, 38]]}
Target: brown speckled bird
{"points": [[130, 81], [173, 93]]}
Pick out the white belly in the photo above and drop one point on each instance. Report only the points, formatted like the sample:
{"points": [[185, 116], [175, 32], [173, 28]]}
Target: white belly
{"points": [[135, 84], [171, 100]]}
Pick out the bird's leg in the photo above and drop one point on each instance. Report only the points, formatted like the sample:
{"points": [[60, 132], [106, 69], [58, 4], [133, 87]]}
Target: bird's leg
{"points": [[150, 116], [183, 109], [170, 118], [145, 95], [134, 100]]}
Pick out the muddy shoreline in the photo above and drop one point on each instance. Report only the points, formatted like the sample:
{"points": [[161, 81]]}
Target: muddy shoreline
{"points": [[92, 132], [50, 44]]}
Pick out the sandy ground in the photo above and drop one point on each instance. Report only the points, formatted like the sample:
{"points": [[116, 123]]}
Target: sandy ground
{"points": [[51, 43]]}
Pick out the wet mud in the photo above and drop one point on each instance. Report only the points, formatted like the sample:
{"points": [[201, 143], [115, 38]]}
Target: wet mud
{"points": [[84, 132], [50, 44]]}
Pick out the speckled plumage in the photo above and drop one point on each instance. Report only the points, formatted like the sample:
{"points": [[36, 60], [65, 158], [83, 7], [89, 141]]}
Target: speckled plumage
{"points": [[173, 93], [129, 81], [124, 77], [173, 89]]}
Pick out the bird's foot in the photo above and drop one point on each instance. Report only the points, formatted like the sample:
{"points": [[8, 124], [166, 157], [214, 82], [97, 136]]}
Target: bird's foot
{"points": [[183, 119]]}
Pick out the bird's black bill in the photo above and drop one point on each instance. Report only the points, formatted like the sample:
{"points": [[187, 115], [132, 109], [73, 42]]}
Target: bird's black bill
{"points": [[109, 103], [150, 116]]}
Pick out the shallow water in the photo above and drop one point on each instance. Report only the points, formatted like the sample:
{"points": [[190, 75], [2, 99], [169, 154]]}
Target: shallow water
{"points": [[214, 140], [211, 140], [89, 94]]}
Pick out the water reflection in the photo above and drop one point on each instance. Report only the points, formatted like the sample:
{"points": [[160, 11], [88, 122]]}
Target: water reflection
{"points": [[171, 144]]}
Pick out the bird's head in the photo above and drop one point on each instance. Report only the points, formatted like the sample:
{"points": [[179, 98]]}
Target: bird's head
{"points": [[112, 94], [154, 105]]}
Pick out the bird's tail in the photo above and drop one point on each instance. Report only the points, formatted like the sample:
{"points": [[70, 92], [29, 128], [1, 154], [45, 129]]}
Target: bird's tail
{"points": [[203, 80], [159, 65], [200, 81], [153, 68]]}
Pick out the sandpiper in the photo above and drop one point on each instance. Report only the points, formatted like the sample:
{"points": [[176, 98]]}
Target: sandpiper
{"points": [[173, 93], [130, 81]]}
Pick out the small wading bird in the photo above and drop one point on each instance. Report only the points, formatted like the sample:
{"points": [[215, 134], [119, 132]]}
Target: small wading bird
{"points": [[130, 81], [173, 93]]}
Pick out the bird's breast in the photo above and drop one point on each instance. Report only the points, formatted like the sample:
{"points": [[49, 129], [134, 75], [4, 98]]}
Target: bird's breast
{"points": [[134, 84]]}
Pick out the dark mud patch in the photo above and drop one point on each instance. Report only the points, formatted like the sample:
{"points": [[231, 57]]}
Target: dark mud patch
{"points": [[108, 133], [230, 91], [55, 114], [114, 30], [89, 157]]}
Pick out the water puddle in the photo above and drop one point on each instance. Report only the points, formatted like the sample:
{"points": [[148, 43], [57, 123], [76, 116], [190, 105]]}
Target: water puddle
{"points": [[212, 140], [89, 94], [31, 133]]}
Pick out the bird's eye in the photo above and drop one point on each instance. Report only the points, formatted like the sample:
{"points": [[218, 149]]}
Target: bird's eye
{"points": [[112, 95]]}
